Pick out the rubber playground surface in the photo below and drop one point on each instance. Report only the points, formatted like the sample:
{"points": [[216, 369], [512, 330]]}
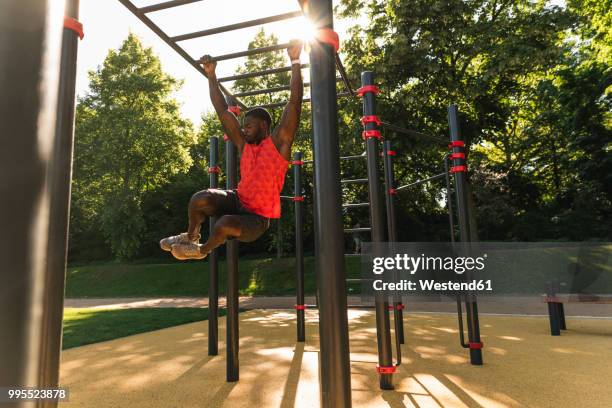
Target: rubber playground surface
{"points": [[524, 365]]}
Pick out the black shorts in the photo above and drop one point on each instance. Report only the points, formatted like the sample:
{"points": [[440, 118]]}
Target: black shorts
{"points": [[252, 225]]}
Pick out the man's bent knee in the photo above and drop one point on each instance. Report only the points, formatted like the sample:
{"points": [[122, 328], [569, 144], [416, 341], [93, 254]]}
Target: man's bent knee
{"points": [[228, 227], [201, 199]]}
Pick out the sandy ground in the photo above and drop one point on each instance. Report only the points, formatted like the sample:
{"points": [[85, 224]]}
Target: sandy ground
{"points": [[524, 365]]}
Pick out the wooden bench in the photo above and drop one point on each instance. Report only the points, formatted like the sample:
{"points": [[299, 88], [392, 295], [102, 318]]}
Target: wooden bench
{"points": [[556, 313]]}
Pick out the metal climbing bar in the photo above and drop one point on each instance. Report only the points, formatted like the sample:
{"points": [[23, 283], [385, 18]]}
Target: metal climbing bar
{"points": [[259, 73], [390, 193], [165, 5], [282, 104], [410, 132], [271, 90], [360, 229], [213, 257], [254, 51], [355, 205], [147, 21], [372, 136], [344, 75], [459, 169], [354, 181], [353, 157], [237, 26], [425, 180]]}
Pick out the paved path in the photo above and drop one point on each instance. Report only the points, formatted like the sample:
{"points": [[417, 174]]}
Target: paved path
{"points": [[517, 306]]}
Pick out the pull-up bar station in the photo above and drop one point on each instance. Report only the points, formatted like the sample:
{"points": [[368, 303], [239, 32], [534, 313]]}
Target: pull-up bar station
{"points": [[45, 128]]}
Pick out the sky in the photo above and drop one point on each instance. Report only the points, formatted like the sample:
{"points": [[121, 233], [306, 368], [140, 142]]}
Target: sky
{"points": [[107, 23]]}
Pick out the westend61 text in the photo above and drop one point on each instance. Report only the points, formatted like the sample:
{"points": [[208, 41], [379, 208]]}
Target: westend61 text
{"points": [[431, 285]]}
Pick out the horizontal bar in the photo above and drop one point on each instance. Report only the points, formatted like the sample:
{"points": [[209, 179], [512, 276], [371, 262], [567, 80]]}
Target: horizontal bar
{"points": [[365, 229], [352, 254], [365, 180], [272, 90], [286, 197], [359, 280], [165, 5], [237, 26], [259, 73], [281, 104], [354, 157], [254, 51], [437, 176], [399, 129], [355, 205]]}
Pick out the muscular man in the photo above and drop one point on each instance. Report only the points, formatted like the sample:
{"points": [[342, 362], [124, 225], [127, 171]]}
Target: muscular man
{"points": [[244, 214]]}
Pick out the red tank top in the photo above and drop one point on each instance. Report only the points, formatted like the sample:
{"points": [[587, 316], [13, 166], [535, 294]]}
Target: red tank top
{"points": [[262, 175]]}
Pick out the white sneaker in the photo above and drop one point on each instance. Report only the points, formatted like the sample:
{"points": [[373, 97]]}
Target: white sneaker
{"points": [[166, 243], [189, 250]]}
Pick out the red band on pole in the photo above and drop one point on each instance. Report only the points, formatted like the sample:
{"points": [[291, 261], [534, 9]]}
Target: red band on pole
{"points": [[401, 306], [329, 36], [457, 155], [300, 307], [74, 25], [476, 346], [225, 138], [297, 162], [391, 153], [234, 109], [458, 169], [371, 133], [386, 370], [456, 143], [392, 191], [214, 169], [368, 88], [371, 119], [298, 198]]}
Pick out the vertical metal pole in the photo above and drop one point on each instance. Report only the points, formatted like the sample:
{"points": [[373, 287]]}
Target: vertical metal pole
{"points": [[329, 242], [34, 163], [299, 245], [213, 258], [383, 324], [59, 180], [461, 189], [231, 171], [398, 306]]}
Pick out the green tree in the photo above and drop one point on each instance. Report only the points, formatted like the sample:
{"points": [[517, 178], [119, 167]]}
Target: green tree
{"points": [[130, 139]]}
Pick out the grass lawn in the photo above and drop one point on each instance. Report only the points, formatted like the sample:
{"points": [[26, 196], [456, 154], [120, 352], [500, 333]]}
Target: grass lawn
{"points": [[258, 277], [87, 326]]}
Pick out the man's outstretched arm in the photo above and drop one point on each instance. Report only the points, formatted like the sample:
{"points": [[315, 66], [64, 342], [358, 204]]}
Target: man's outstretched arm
{"points": [[290, 120], [228, 120]]}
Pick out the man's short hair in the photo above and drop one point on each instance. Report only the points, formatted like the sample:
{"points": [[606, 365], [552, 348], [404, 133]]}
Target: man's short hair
{"points": [[260, 113]]}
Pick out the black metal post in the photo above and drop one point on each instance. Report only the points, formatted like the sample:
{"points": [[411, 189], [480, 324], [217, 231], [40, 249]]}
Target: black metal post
{"points": [[213, 258], [60, 171], [299, 245], [459, 169], [335, 375], [34, 164], [383, 324], [231, 171], [390, 192]]}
